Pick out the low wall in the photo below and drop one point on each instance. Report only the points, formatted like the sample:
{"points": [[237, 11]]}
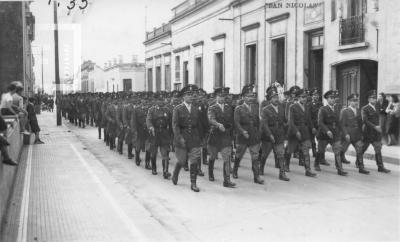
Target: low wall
{"points": [[8, 173]]}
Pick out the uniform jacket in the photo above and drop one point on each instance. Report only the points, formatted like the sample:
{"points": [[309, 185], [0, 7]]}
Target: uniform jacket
{"points": [[218, 138], [187, 125], [273, 123], [300, 121], [160, 119], [247, 121], [328, 120], [370, 118], [350, 124]]}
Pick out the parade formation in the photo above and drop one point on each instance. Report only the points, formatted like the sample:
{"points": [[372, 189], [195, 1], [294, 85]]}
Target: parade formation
{"points": [[197, 126]]}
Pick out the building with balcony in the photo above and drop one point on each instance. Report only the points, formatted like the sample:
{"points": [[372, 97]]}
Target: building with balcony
{"points": [[16, 35], [331, 44]]}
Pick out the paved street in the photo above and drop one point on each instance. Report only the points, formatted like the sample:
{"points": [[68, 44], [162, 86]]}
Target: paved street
{"points": [[73, 188]]}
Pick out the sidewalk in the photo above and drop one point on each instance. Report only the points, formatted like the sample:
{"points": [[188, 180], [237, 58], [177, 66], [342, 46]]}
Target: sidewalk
{"points": [[63, 193], [390, 154]]}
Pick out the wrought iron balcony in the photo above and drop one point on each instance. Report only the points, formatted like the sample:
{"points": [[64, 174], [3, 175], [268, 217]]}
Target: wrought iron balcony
{"points": [[352, 30], [158, 31]]}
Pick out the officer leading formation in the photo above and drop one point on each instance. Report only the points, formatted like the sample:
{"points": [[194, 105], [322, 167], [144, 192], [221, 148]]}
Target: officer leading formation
{"points": [[199, 127]]}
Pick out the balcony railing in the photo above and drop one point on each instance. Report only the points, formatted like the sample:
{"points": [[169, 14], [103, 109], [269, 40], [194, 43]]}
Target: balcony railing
{"points": [[186, 6], [158, 31], [352, 30]]}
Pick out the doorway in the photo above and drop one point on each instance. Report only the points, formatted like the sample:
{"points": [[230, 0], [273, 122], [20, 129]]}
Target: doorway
{"points": [[185, 73]]}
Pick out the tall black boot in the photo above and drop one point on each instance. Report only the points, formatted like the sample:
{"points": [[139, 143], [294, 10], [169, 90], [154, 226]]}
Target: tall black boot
{"points": [[165, 164], [175, 174], [107, 139], [322, 160], [99, 130], [314, 148], [193, 177], [262, 165], [235, 168], [204, 153], [360, 164], [287, 162], [130, 149], [154, 165], [379, 163], [317, 161], [120, 146], [255, 166], [307, 166], [211, 170], [137, 157], [282, 174], [339, 167], [104, 135], [199, 172], [147, 160], [277, 165], [301, 158], [186, 165], [227, 173], [343, 157]]}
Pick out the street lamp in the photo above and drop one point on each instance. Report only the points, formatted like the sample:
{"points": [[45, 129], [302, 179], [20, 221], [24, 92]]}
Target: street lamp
{"points": [[57, 70]]}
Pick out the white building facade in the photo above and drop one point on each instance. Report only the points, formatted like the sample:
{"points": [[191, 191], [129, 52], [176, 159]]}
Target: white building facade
{"points": [[331, 44]]}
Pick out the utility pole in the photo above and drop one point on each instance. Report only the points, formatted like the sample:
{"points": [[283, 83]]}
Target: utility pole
{"points": [[42, 73], [57, 70]]}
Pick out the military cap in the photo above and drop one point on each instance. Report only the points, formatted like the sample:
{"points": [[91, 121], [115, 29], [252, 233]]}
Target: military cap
{"points": [[353, 96], [221, 91], [330, 93], [202, 92], [189, 89], [211, 95], [301, 92], [175, 93], [371, 93], [294, 89], [286, 93], [249, 89], [271, 91], [314, 91]]}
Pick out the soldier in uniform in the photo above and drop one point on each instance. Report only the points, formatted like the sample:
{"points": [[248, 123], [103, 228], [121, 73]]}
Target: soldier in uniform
{"points": [[315, 104], [139, 122], [273, 135], [220, 117], [97, 103], [299, 135], [112, 125], [372, 130], [127, 112], [329, 132], [247, 121], [159, 124], [202, 104], [187, 128], [104, 119], [350, 123], [121, 124]]}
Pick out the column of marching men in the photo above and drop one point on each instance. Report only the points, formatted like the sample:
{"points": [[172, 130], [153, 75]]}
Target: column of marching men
{"points": [[199, 127]]}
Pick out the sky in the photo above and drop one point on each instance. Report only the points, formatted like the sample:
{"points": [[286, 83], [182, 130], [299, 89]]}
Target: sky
{"points": [[107, 29]]}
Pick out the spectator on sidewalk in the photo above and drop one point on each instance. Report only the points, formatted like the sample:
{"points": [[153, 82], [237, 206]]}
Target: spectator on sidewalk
{"points": [[393, 111], [4, 143], [381, 105], [33, 120], [6, 104], [18, 106]]}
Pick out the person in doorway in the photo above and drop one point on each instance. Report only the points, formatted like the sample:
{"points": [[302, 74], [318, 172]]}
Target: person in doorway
{"points": [[381, 105], [393, 113]]}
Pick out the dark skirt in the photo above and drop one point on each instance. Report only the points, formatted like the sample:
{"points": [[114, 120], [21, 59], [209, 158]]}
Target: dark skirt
{"points": [[393, 125], [34, 125]]}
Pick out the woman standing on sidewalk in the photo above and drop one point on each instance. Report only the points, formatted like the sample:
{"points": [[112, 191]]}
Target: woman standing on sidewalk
{"points": [[393, 111]]}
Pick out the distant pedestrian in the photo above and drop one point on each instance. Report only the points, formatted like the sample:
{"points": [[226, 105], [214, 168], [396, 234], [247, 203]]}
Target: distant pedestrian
{"points": [[393, 112], [33, 120], [381, 105]]}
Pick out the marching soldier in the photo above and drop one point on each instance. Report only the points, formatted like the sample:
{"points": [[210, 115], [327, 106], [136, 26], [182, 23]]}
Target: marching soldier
{"points": [[187, 129], [351, 122], [130, 131], [121, 125], [272, 128], [299, 136], [159, 124], [247, 121], [315, 105], [139, 122], [372, 131], [112, 125], [220, 117], [329, 132]]}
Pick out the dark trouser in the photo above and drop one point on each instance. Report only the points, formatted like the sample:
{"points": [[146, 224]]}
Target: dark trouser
{"points": [[336, 147], [226, 156], [183, 154], [304, 152], [255, 164]]}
